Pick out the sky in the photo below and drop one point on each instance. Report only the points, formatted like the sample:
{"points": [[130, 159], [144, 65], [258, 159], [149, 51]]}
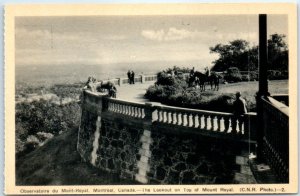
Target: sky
{"points": [[107, 40]]}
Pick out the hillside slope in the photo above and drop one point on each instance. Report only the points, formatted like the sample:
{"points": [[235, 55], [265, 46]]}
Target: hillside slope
{"points": [[58, 163]]}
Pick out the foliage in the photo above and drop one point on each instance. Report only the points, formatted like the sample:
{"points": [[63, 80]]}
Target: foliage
{"points": [[178, 69], [239, 54], [277, 75], [175, 91], [40, 120], [233, 75], [70, 90]]}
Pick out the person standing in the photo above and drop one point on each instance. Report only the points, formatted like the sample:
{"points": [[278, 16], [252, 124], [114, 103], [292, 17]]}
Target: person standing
{"points": [[240, 109], [132, 76], [129, 76]]}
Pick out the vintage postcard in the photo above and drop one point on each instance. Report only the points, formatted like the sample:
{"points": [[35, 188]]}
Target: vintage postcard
{"points": [[151, 99]]}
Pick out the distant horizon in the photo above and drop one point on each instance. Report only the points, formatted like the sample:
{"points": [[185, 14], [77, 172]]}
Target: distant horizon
{"points": [[71, 73]]}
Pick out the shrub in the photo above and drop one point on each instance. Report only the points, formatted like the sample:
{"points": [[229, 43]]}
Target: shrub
{"points": [[164, 78], [277, 75], [179, 94]]}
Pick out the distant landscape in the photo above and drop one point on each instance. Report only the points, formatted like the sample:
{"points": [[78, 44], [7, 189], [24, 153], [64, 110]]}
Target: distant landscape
{"points": [[47, 75]]}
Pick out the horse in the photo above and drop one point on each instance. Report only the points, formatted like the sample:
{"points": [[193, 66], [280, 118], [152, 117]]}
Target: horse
{"points": [[199, 79], [214, 80]]}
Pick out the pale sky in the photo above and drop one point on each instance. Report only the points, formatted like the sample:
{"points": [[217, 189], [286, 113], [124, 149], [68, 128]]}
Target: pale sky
{"points": [[107, 40]]}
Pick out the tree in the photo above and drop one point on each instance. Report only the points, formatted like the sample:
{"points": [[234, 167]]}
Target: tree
{"points": [[239, 54], [234, 54], [277, 53]]}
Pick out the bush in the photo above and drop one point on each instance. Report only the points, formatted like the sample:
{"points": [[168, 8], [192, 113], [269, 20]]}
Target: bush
{"points": [[277, 75], [179, 94], [233, 75]]}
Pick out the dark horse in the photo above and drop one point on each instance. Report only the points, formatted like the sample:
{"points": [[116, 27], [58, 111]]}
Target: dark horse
{"points": [[199, 79], [214, 80]]}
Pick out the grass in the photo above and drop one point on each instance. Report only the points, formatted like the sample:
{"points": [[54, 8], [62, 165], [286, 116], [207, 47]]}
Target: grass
{"points": [[58, 163]]}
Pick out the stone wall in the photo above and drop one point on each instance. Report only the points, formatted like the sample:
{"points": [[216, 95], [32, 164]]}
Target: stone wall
{"points": [[136, 148], [86, 134], [191, 159], [119, 146]]}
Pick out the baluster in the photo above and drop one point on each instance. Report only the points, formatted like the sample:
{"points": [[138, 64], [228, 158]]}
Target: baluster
{"points": [[123, 109], [226, 124], [140, 112], [143, 113], [126, 110], [208, 123], [129, 110], [120, 108], [242, 125], [117, 108], [188, 119], [229, 125], [212, 120], [158, 115], [111, 106], [171, 118], [195, 119], [135, 112], [179, 119], [114, 107], [182, 118], [205, 121], [199, 121], [175, 119], [164, 116], [168, 116], [132, 111], [222, 124], [218, 123]]}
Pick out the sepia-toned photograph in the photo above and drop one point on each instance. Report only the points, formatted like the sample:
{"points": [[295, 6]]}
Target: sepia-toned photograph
{"points": [[152, 99]]}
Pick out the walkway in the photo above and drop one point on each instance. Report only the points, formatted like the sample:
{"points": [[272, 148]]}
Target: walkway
{"points": [[133, 92]]}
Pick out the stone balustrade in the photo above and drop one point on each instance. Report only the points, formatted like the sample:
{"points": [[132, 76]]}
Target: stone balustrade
{"points": [[126, 108], [139, 79], [202, 119], [217, 122]]}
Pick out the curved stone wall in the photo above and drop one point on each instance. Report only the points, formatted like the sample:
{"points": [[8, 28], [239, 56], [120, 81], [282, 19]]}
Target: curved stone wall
{"points": [[127, 142]]}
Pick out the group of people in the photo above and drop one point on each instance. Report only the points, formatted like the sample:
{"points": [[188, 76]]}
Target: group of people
{"points": [[130, 75], [93, 85]]}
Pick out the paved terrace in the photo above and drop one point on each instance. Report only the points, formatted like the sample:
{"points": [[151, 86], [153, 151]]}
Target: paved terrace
{"points": [[133, 92]]}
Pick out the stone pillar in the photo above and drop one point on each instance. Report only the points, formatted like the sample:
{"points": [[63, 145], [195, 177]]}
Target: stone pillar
{"points": [[145, 151], [143, 78], [120, 81], [92, 106], [263, 81]]}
